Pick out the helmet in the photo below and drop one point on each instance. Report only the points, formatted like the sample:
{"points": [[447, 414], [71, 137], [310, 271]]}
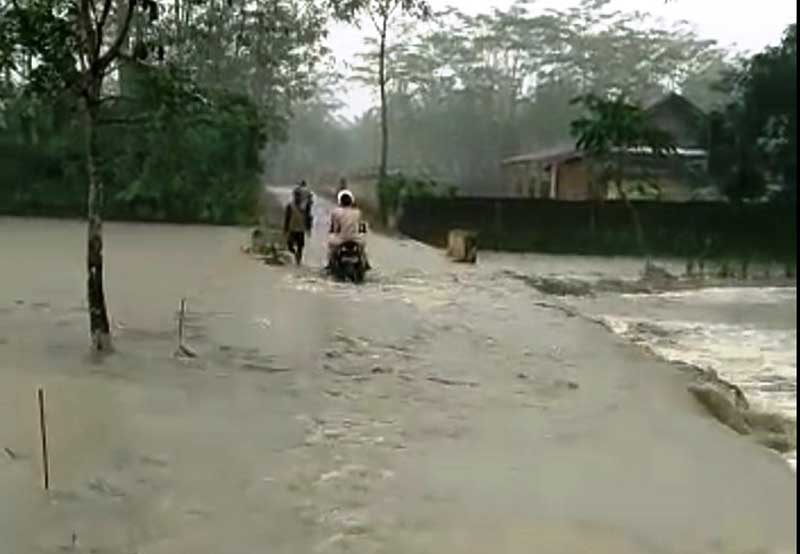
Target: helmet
{"points": [[344, 193]]}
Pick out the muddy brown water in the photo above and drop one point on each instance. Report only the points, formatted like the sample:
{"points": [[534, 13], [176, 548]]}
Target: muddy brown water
{"points": [[438, 408]]}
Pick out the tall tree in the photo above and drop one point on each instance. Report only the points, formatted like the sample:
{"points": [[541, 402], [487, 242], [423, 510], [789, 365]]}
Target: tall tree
{"points": [[772, 86], [382, 13], [76, 46], [755, 132]]}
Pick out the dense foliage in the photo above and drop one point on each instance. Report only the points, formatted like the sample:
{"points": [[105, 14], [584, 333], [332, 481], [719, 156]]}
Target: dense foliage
{"points": [[395, 189], [198, 90], [755, 133], [192, 158]]}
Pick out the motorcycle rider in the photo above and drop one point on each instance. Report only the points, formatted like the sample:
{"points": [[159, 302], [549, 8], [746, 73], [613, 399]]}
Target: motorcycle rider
{"points": [[346, 225]]}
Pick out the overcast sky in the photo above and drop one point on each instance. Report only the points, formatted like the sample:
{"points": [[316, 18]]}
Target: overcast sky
{"points": [[746, 25]]}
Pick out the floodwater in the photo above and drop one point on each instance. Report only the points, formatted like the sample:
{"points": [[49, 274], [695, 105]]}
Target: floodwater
{"points": [[437, 408], [747, 335]]}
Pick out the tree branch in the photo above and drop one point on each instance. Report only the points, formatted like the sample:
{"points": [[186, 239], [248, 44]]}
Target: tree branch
{"points": [[391, 6], [92, 10], [117, 98], [101, 23], [374, 21], [87, 32], [125, 120], [151, 116], [113, 50]]}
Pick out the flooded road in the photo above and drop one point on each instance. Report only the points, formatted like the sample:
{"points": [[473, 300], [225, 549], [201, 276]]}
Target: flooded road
{"points": [[438, 408]]}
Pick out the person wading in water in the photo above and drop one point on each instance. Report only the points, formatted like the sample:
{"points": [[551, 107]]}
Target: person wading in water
{"points": [[295, 225], [306, 201]]}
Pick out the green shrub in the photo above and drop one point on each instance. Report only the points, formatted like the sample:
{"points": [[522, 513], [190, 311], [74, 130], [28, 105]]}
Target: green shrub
{"points": [[194, 157]]}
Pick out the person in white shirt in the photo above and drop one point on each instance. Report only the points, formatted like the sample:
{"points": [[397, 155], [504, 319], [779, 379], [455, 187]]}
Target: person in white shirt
{"points": [[346, 225]]}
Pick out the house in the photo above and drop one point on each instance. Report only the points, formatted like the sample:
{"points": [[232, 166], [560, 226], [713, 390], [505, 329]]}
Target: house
{"points": [[564, 173]]}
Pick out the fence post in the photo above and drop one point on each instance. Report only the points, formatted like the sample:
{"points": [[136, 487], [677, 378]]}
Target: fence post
{"points": [[498, 219]]}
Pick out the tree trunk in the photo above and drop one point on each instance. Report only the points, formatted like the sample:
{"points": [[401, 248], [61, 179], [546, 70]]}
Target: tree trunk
{"points": [[178, 21], [637, 224], [593, 209], [98, 318], [382, 171]]}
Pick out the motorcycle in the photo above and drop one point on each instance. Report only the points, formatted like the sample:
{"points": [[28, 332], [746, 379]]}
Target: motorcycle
{"points": [[348, 263]]}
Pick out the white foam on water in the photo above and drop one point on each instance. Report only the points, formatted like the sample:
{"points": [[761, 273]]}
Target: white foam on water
{"points": [[760, 361], [727, 295]]}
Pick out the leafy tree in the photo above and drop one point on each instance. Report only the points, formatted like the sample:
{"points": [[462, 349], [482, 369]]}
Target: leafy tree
{"points": [[611, 130], [770, 94], [755, 133], [75, 46], [265, 49], [735, 160]]}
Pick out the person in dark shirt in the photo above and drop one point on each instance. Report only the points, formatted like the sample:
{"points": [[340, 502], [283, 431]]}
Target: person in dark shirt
{"points": [[295, 225], [306, 201]]}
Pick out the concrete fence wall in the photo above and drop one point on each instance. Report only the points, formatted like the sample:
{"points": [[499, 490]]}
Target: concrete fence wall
{"points": [[758, 231]]}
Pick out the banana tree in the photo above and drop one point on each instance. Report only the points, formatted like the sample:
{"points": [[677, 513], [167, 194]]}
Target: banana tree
{"points": [[610, 131]]}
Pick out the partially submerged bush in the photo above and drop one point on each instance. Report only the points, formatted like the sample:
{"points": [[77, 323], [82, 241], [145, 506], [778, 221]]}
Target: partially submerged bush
{"points": [[395, 189]]}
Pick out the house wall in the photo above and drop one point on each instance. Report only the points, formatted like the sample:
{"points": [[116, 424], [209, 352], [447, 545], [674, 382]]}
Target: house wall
{"points": [[516, 178], [573, 181], [525, 180]]}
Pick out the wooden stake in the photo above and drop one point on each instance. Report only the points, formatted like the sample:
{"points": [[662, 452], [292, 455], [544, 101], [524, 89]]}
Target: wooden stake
{"points": [[180, 322], [183, 350], [43, 431]]}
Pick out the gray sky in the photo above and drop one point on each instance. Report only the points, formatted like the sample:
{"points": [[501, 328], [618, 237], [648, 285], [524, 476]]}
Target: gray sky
{"points": [[746, 25]]}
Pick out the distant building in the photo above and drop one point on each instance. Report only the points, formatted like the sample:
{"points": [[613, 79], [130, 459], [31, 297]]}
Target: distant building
{"points": [[563, 173]]}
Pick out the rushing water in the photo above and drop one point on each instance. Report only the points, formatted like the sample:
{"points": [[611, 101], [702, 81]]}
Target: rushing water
{"points": [[747, 335]]}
